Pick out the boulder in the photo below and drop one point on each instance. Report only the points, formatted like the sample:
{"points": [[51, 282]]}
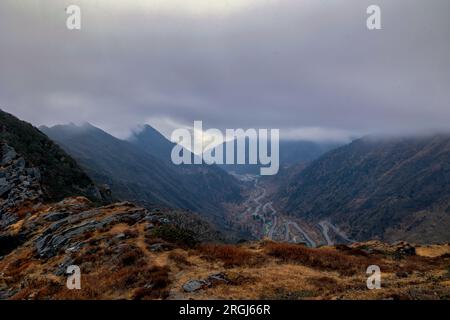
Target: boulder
{"points": [[195, 285], [8, 154]]}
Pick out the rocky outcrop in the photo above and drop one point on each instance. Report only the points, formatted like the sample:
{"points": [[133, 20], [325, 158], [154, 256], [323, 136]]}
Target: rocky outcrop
{"points": [[32, 156], [211, 280], [18, 183], [67, 232]]}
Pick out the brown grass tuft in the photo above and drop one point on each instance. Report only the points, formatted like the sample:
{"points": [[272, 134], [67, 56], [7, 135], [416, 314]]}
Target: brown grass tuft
{"points": [[231, 255], [322, 259], [179, 259]]}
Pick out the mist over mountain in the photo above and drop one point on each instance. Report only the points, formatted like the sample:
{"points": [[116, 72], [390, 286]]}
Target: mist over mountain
{"points": [[137, 172], [291, 152], [382, 188]]}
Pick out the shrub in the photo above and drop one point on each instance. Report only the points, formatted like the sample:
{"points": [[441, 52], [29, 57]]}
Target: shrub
{"points": [[323, 259], [175, 235], [231, 255]]}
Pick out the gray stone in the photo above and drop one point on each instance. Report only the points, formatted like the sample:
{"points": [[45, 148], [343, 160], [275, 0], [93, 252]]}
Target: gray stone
{"points": [[121, 236], [218, 277], [195, 285], [157, 247], [55, 216], [41, 244], [9, 154]]}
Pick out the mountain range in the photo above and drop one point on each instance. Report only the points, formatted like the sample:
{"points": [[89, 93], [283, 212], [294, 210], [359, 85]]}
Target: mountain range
{"points": [[391, 189], [378, 188], [370, 187], [139, 170]]}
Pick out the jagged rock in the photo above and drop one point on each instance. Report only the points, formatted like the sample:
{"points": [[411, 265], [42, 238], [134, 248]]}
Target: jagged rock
{"points": [[120, 236], [17, 183], [76, 247], [194, 285], [217, 278], [9, 154], [55, 216], [4, 186], [158, 247], [41, 245], [61, 234]]}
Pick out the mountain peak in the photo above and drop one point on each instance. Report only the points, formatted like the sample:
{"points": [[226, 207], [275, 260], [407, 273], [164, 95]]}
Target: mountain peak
{"points": [[152, 141]]}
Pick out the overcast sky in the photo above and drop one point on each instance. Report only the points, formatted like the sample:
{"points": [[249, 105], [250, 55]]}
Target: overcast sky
{"points": [[308, 67]]}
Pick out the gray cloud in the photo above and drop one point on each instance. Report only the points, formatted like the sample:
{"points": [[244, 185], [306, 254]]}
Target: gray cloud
{"points": [[302, 66]]}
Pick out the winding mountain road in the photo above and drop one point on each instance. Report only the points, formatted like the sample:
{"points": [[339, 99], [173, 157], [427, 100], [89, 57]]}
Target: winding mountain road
{"points": [[310, 242], [265, 212], [270, 224], [326, 226]]}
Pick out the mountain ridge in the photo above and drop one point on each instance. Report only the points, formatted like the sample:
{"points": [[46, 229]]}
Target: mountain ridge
{"points": [[135, 174], [378, 188]]}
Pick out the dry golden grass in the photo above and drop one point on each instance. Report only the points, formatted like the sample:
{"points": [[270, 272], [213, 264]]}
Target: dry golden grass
{"points": [[433, 251], [179, 258]]}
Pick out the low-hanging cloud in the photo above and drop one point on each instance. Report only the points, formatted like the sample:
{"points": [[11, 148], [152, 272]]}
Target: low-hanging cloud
{"points": [[310, 68]]}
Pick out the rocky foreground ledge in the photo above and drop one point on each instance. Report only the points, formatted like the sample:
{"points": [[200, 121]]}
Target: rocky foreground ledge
{"points": [[127, 252]]}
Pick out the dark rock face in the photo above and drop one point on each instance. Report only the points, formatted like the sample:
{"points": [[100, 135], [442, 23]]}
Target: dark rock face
{"points": [[18, 183], [31, 156]]}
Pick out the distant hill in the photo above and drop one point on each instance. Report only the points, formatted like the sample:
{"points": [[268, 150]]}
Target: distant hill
{"points": [[137, 172], [390, 189], [57, 174], [292, 152]]}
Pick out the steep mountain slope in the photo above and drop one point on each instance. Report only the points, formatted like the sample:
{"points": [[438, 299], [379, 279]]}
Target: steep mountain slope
{"points": [[136, 175], [202, 179], [392, 189], [153, 142], [27, 152]]}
